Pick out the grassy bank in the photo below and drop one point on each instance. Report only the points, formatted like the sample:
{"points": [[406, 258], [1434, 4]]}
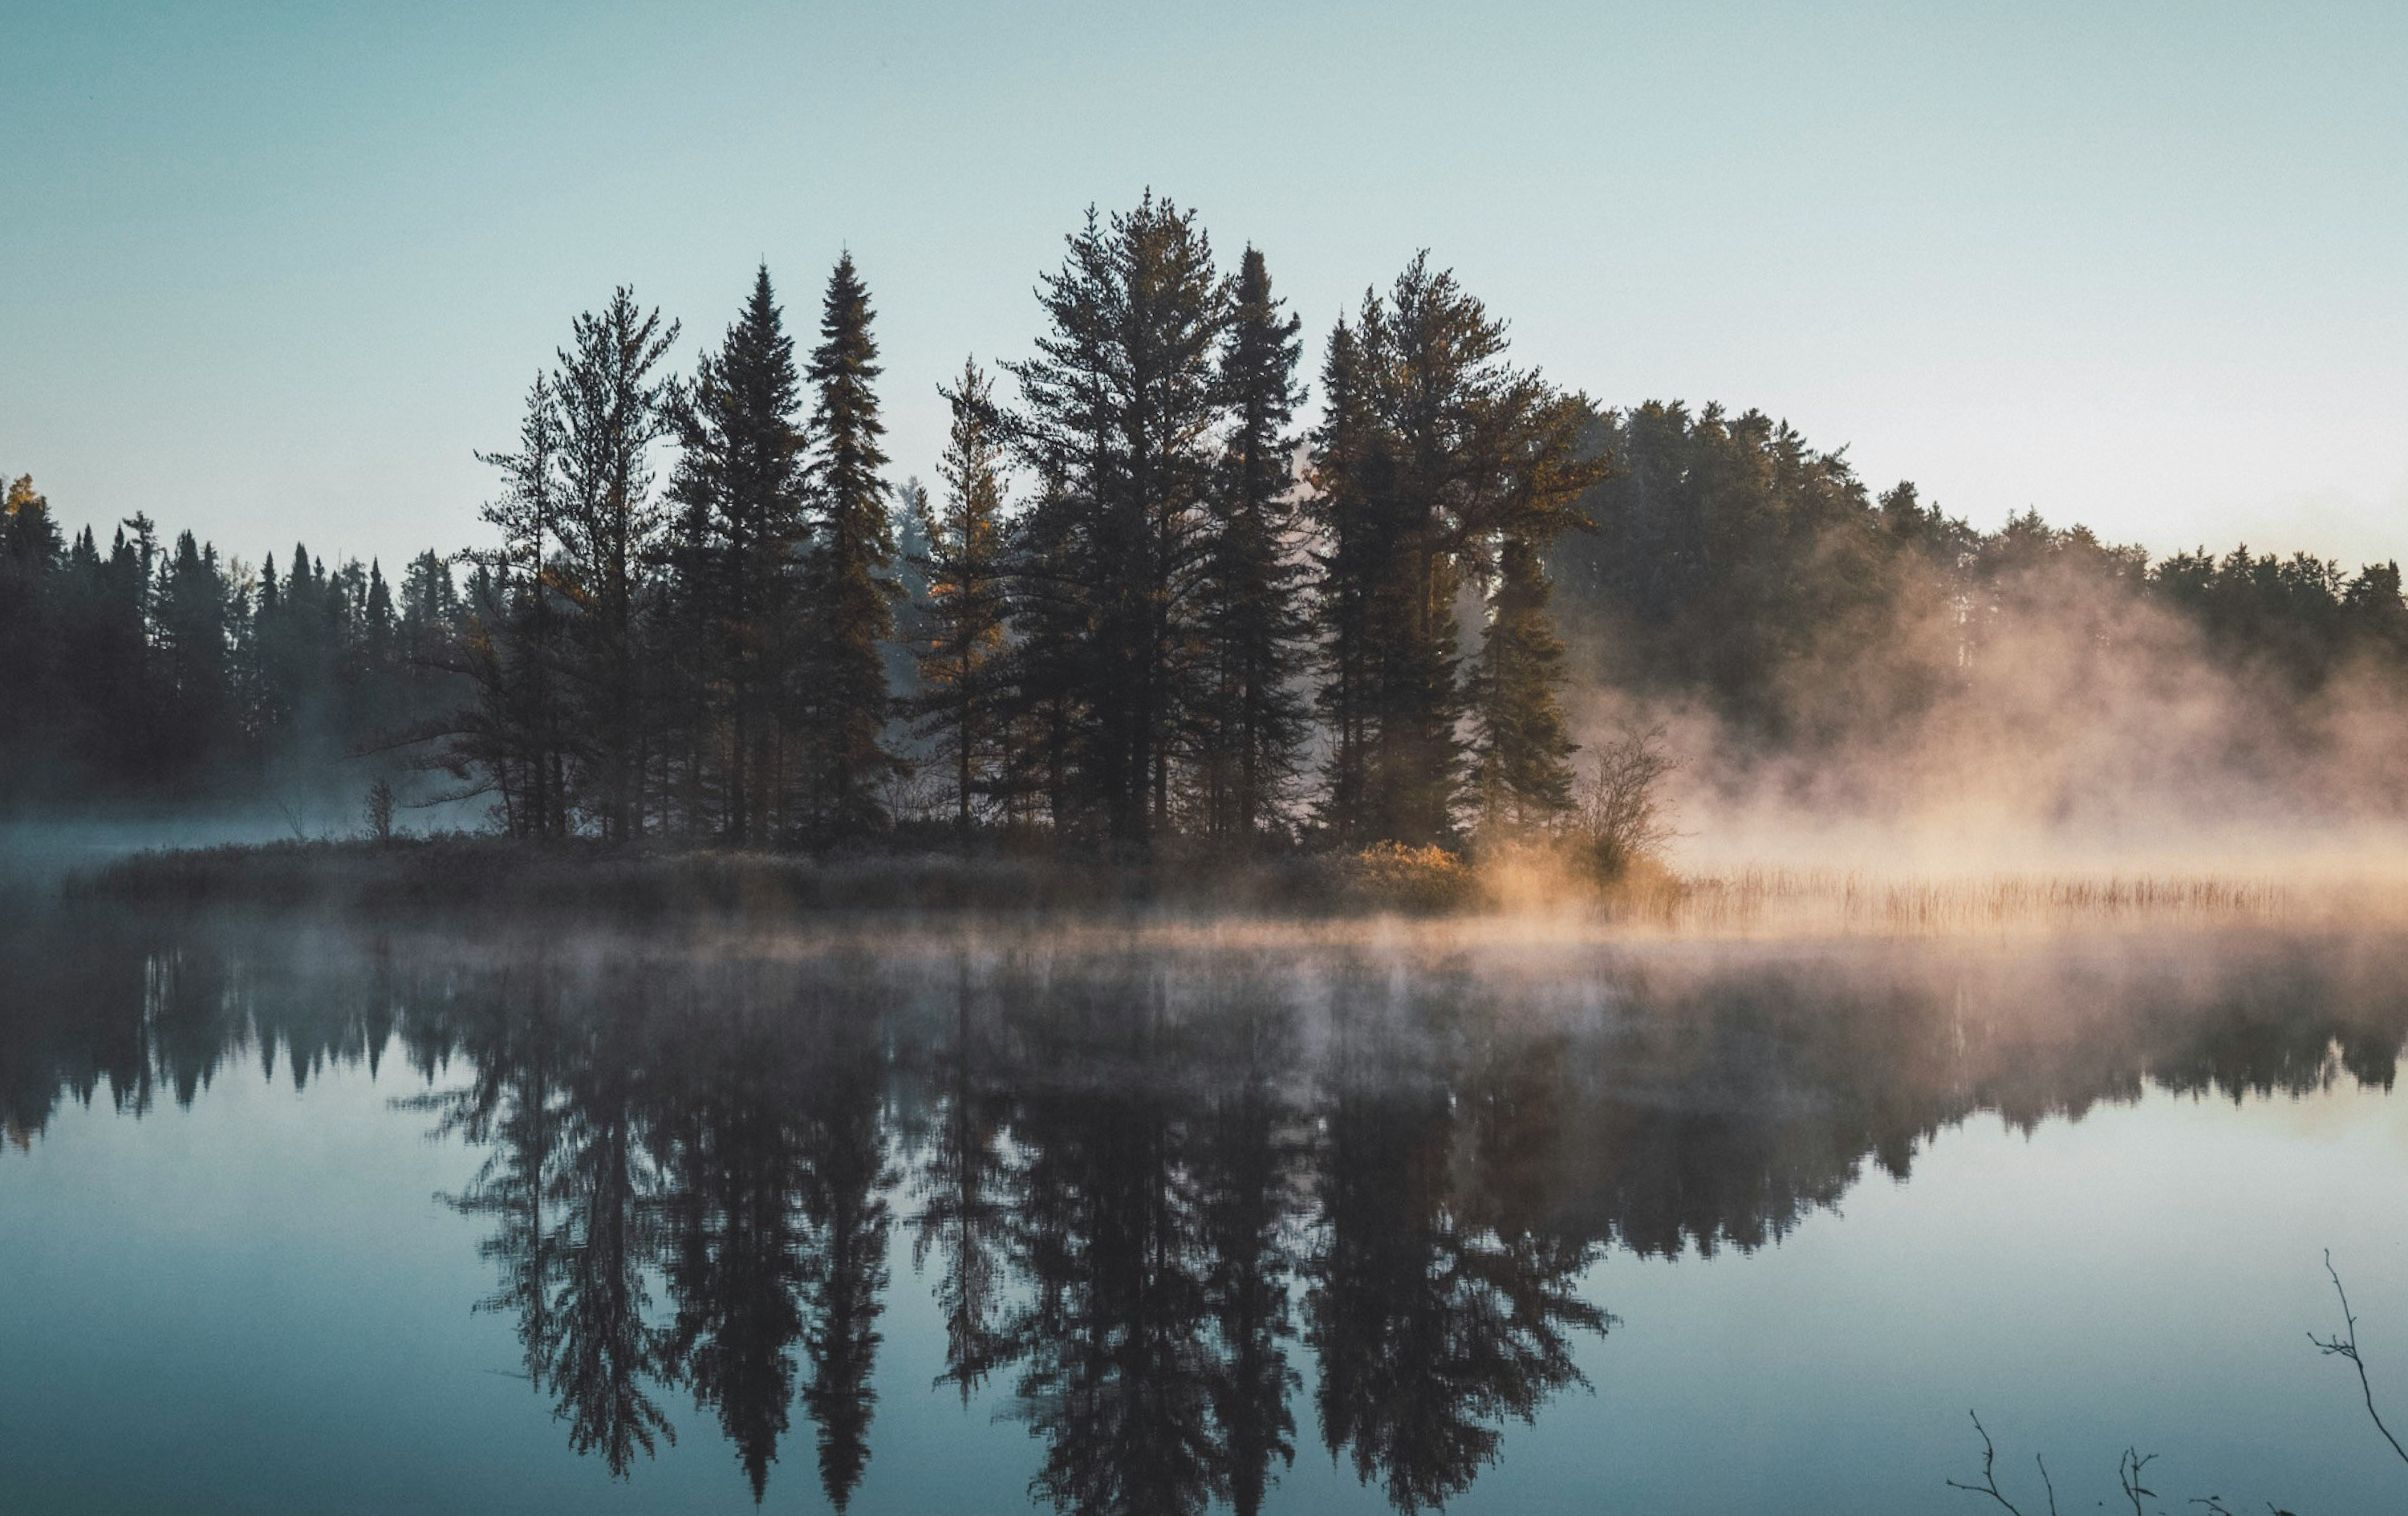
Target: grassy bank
{"points": [[478, 874], [1532, 886]]}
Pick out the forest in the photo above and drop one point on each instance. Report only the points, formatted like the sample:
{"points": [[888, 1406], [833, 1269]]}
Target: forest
{"points": [[1143, 603]]}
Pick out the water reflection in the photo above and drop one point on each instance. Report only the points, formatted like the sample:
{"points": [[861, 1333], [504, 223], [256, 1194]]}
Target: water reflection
{"points": [[1151, 1192]]}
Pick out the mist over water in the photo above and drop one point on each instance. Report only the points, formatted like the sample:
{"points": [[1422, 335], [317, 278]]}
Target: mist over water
{"points": [[896, 1215], [2091, 731]]}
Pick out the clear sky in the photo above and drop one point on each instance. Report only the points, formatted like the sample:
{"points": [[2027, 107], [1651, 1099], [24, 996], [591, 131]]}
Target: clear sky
{"points": [[275, 271]]}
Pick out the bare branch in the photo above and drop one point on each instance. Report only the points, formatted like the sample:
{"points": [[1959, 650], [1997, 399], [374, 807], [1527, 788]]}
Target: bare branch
{"points": [[2346, 1346], [1989, 1486], [2128, 1473]]}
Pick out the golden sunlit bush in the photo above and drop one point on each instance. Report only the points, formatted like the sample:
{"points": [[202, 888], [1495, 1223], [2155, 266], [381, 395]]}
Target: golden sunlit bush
{"points": [[1395, 877]]}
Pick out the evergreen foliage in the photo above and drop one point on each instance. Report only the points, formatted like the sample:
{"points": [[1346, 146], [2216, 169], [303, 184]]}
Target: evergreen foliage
{"points": [[851, 591], [1522, 776], [741, 482], [1435, 453], [958, 641], [613, 407], [517, 733], [1119, 408], [1134, 621], [1251, 719]]}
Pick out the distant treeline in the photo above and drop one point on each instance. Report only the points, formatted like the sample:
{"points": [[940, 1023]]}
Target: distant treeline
{"points": [[1137, 605], [1737, 563]]}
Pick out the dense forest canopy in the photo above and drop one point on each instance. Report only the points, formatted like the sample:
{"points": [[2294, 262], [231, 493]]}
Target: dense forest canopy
{"points": [[1140, 604]]}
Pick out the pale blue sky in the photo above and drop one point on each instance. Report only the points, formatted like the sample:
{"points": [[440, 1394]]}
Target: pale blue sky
{"points": [[275, 271]]}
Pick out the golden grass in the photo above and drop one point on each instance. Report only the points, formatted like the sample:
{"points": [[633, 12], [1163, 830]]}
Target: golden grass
{"points": [[1748, 901]]}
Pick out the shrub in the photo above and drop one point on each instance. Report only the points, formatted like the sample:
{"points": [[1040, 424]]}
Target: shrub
{"points": [[1394, 877], [1619, 819]]}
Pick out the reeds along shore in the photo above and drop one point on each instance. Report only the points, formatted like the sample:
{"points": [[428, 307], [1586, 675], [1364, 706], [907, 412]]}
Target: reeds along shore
{"points": [[1857, 900], [1505, 890]]}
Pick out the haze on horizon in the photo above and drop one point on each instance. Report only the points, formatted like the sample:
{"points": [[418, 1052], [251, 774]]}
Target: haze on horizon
{"points": [[276, 272]]}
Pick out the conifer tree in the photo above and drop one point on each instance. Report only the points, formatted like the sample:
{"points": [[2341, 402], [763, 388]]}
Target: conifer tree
{"points": [[741, 476], [192, 649], [1345, 473], [850, 587], [1251, 718], [1522, 776], [516, 615], [1046, 665], [1437, 452], [376, 626], [31, 669], [612, 407], [959, 643], [911, 514], [1120, 405]]}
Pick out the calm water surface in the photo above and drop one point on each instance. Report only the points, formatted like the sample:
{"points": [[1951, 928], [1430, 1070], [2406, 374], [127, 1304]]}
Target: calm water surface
{"points": [[301, 1219]]}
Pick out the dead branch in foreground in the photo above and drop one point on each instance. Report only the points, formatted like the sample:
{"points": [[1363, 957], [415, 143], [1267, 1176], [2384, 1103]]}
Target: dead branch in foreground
{"points": [[1989, 1486], [2346, 1346]]}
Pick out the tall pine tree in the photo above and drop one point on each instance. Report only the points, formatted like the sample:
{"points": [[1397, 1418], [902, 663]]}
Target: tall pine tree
{"points": [[1250, 720], [518, 731], [1120, 405], [1521, 777], [1435, 453], [741, 474], [959, 643], [851, 591], [613, 407]]}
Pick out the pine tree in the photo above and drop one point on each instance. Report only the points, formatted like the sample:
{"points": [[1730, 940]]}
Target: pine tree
{"points": [[850, 587], [512, 647], [1344, 475], [1251, 718], [741, 476], [1522, 776], [133, 735], [193, 645], [959, 643], [30, 671], [612, 409], [1121, 403], [1046, 665], [1436, 453]]}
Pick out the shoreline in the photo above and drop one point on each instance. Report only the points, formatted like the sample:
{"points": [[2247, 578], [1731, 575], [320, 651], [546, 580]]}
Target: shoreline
{"points": [[1524, 896]]}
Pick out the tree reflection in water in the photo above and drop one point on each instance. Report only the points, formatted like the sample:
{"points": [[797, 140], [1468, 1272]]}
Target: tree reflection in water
{"points": [[1142, 1186]]}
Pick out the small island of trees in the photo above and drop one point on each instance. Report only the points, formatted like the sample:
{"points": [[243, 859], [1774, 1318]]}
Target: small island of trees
{"points": [[1139, 604]]}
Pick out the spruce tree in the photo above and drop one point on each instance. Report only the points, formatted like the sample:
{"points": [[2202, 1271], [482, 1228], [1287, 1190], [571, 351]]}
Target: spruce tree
{"points": [[850, 587], [516, 615], [1121, 403], [1521, 777], [1048, 665], [31, 669], [740, 476], [1344, 474], [193, 645], [612, 407], [1436, 453], [959, 643], [1251, 718]]}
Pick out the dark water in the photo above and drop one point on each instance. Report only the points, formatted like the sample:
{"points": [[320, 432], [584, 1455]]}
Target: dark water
{"points": [[295, 1218]]}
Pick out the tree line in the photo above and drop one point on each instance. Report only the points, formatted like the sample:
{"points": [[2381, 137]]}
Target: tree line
{"points": [[1736, 563], [1140, 603]]}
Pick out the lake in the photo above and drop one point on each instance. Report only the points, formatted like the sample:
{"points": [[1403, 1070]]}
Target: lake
{"points": [[297, 1216]]}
